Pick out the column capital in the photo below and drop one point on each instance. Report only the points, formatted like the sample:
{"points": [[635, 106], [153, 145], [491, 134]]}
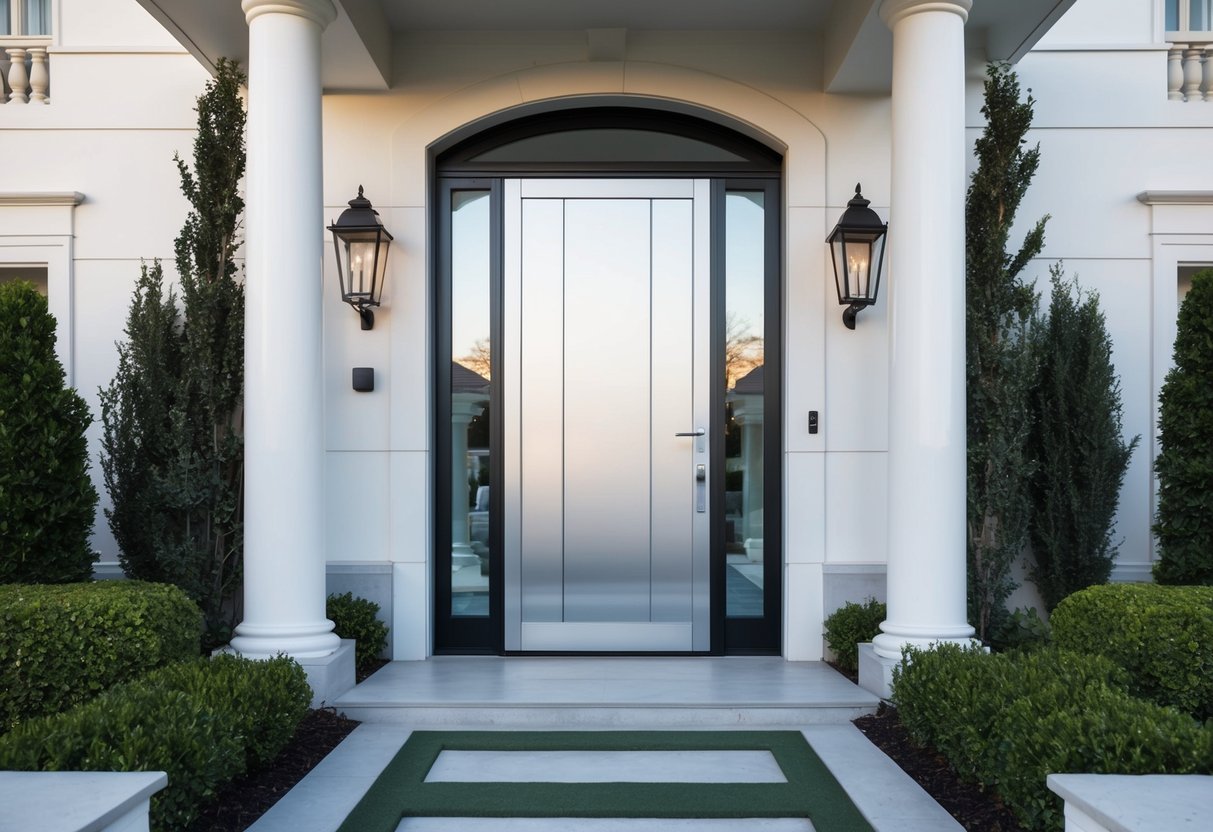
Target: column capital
{"points": [[891, 11], [320, 12]]}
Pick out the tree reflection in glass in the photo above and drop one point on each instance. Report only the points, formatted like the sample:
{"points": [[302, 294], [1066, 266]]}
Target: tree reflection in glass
{"points": [[470, 377], [743, 442]]}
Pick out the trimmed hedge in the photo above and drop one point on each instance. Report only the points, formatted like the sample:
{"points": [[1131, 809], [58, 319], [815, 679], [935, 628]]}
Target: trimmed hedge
{"points": [[66, 643], [1008, 720], [851, 625], [355, 618], [203, 722], [47, 500], [225, 684], [1162, 635]]}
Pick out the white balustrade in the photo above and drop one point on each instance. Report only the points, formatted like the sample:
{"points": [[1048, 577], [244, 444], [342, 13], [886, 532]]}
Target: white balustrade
{"points": [[1190, 72], [24, 75]]}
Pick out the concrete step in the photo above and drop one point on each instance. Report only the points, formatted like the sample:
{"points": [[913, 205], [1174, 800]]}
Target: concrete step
{"points": [[558, 693]]}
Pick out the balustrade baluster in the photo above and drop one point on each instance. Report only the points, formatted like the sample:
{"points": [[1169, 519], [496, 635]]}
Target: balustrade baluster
{"points": [[1207, 72], [1175, 72], [18, 81], [39, 76], [1193, 73]]}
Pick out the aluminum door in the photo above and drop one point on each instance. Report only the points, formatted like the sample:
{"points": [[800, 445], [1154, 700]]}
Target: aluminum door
{"points": [[606, 415]]}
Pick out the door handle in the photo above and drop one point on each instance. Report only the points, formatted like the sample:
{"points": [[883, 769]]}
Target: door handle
{"points": [[696, 432]]}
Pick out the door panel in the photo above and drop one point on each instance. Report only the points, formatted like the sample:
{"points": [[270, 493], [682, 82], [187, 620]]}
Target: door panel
{"points": [[607, 293]]}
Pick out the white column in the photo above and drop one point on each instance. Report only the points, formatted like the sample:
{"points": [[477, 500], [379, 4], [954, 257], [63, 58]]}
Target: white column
{"points": [[284, 557], [748, 413], [926, 568]]}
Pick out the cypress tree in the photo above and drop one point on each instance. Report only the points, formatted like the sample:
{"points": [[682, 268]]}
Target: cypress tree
{"points": [[1076, 440], [1184, 525], [137, 437], [173, 445], [47, 500], [999, 362]]}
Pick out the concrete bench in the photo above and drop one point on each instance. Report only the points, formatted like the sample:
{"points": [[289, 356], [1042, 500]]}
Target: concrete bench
{"points": [[78, 801], [1135, 802]]}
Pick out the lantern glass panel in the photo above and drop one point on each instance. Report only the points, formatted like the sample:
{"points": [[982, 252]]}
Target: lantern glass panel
{"points": [[360, 267]]}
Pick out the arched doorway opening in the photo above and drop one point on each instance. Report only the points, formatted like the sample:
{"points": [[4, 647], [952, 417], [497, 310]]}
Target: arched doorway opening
{"points": [[607, 319]]}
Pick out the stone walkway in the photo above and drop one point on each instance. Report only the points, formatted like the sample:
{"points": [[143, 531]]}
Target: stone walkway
{"points": [[491, 693]]}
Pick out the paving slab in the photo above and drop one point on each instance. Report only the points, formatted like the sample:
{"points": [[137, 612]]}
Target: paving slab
{"points": [[606, 767]]}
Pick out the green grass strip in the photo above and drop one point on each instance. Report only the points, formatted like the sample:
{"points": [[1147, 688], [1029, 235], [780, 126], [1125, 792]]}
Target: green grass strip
{"points": [[811, 791]]}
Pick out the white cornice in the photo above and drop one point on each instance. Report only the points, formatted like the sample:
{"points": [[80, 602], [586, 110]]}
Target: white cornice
{"points": [[1176, 197], [40, 198]]}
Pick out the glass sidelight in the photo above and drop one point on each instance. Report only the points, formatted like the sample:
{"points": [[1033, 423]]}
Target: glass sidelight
{"points": [[470, 404], [748, 563], [744, 360]]}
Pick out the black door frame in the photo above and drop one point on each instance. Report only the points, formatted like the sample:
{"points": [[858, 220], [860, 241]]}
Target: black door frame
{"points": [[456, 168]]}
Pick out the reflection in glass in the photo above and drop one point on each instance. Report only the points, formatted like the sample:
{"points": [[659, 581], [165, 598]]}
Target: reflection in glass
{"points": [[1198, 15], [470, 374], [608, 145], [37, 17], [743, 443]]}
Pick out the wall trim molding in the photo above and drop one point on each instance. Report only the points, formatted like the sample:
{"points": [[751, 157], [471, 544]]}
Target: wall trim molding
{"points": [[1175, 197], [40, 198]]}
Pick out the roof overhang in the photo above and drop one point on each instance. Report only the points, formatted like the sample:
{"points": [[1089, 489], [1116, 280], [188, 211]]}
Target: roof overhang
{"points": [[356, 50], [859, 46]]}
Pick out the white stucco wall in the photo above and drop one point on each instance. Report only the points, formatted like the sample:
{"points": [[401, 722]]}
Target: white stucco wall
{"points": [[122, 94], [122, 98]]}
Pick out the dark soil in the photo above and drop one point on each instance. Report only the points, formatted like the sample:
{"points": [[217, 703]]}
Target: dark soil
{"points": [[974, 809], [244, 801]]}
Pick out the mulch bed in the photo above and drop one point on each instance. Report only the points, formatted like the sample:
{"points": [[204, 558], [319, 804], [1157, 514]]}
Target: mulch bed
{"points": [[248, 798], [974, 809], [243, 801]]}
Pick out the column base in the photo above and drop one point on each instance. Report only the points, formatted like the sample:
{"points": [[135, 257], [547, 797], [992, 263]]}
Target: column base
{"points": [[331, 675], [328, 676], [266, 641], [463, 555], [894, 638], [875, 671]]}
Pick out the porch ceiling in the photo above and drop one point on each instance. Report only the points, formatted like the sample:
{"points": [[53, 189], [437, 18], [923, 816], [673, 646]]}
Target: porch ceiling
{"points": [[357, 48]]}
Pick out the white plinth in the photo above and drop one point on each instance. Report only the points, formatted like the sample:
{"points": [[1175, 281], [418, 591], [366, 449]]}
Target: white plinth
{"points": [[331, 675], [876, 671], [78, 801], [1134, 803]]}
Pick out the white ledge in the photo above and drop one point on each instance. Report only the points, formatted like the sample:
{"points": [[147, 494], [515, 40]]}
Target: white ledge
{"points": [[76, 801], [1135, 802], [40, 198], [1176, 197]]}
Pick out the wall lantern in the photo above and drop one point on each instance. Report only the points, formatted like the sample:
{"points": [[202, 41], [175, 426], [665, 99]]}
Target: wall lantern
{"points": [[857, 246], [361, 243]]}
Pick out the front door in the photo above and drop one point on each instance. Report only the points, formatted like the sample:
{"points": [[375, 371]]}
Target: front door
{"points": [[606, 413]]}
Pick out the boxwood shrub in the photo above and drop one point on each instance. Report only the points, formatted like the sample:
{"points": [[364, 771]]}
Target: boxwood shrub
{"points": [[849, 626], [203, 722], [354, 617], [1095, 729], [224, 686], [1008, 720], [1162, 635], [64, 644]]}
